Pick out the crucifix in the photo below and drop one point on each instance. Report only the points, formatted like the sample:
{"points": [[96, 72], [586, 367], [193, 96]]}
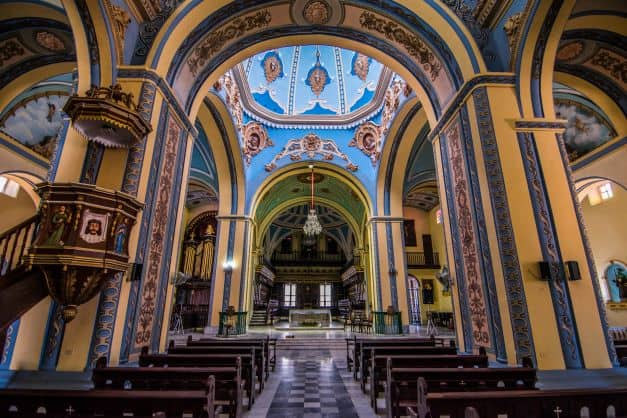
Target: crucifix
{"points": [[557, 411], [70, 410]]}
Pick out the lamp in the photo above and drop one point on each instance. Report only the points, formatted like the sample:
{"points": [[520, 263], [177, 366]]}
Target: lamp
{"points": [[228, 265], [312, 226]]}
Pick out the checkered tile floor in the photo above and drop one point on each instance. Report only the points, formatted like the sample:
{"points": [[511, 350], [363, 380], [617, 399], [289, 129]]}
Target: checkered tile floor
{"points": [[311, 386]]}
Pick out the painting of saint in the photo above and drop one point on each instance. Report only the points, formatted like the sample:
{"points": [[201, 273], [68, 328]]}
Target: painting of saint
{"points": [[94, 227], [60, 218], [410, 233]]}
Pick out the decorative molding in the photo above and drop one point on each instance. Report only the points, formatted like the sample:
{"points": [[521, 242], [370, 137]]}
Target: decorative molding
{"points": [[214, 41], [165, 90], [148, 30], [102, 334], [531, 125], [519, 316], [311, 145], [412, 43], [91, 164], [119, 20], [53, 338], [460, 277], [462, 95], [368, 139], [465, 13], [512, 28], [9, 345], [317, 12], [474, 285], [550, 252], [482, 242], [255, 140], [150, 290], [589, 158]]}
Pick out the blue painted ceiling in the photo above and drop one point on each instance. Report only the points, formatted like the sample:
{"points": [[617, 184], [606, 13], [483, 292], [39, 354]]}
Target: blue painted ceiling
{"points": [[312, 83]]}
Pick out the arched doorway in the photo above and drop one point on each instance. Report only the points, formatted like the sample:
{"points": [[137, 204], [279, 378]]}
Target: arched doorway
{"points": [[414, 301]]}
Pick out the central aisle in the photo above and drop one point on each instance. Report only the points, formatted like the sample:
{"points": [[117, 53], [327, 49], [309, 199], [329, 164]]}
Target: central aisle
{"points": [[311, 382]]}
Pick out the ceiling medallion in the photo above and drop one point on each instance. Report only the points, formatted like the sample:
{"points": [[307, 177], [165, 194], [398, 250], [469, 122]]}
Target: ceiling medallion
{"points": [[317, 12], [255, 140], [361, 65], [368, 139], [272, 66], [318, 77], [570, 51], [311, 145], [49, 41]]}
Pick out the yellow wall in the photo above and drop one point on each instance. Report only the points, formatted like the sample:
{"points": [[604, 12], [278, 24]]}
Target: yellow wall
{"points": [[30, 337], [607, 232], [15, 209]]}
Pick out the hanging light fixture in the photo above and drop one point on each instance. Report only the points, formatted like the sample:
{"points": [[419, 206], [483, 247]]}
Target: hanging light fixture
{"points": [[312, 226]]}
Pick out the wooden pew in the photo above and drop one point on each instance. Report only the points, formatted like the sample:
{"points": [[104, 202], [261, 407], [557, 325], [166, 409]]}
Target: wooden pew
{"points": [[234, 350], [109, 403], [247, 362], [598, 403], [368, 350], [228, 383], [360, 343], [378, 366], [401, 382], [352, 345], [268, 344]]}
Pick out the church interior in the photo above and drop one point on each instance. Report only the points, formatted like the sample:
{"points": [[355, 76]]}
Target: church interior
{"points": [[313, 208]]}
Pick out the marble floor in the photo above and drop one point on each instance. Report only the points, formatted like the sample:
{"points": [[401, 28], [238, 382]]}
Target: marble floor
{"points": [[311, 382]]}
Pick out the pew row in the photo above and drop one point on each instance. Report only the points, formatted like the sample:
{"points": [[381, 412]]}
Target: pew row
{"points": [[268, 344], [567, 403], [248, 368], [400, 382], [227, 381], [108, 403], [378, 365]]}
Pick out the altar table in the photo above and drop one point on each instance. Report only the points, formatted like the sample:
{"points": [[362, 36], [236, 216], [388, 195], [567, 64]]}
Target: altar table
{"points": [[320, 317]]}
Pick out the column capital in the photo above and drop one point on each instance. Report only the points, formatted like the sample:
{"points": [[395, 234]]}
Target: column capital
{"points": [[236, 218], [384, 219]]}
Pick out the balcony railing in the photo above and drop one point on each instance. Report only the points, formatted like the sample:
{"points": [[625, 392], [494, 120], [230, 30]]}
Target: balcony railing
{"points": [[319, 258], [417, 259], [14, 244]]}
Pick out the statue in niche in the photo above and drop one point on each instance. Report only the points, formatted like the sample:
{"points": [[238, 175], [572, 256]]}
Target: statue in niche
{"points": [[120, 237]]}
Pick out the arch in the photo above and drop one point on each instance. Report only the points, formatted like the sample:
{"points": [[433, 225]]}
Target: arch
{"points": [[302, 168], [27, 181], [535, 61], [409, 127], [443, 61], [263, 227], [216, 122]]}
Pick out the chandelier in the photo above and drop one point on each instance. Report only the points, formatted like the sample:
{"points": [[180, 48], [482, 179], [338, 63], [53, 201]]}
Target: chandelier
{"points": [[312, 226]]}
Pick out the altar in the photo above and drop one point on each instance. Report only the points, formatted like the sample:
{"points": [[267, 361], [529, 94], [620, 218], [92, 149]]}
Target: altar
{"points": [[310, 317]]}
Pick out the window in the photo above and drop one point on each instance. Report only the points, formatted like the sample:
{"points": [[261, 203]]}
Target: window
{"points": [[606, 191], [289, 295], [325, 295], [438, 216], [9, 187]]}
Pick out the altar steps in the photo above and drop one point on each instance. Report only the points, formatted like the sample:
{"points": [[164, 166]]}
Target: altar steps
{"points": [[258, 319]]}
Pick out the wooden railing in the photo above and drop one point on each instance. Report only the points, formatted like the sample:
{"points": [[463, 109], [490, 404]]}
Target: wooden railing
{"points": [[418, 259], [14, 244], [318, 258]]}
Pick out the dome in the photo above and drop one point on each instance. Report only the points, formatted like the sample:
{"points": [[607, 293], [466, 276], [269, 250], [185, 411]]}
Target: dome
{"points": [[312, 84]]}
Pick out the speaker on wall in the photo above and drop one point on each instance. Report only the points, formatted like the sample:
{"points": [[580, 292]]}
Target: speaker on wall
{"points": [[545, 270], [572, 270], [135, 271]]}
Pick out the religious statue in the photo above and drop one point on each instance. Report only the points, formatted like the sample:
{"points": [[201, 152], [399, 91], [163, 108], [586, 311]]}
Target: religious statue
{"points": [[59, 219], [120, 237]]}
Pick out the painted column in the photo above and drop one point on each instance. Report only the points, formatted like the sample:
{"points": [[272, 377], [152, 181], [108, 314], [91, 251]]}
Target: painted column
{"points": [[389, 266], [233, 270], [500, 222]]}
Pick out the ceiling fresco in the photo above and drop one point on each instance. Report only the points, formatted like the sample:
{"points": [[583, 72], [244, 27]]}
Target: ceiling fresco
{"points": [[311, 83], [326, 187], [35, 116], [292, 220], [203, 178], [311, 103], [29, 43], [587, 126]]}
